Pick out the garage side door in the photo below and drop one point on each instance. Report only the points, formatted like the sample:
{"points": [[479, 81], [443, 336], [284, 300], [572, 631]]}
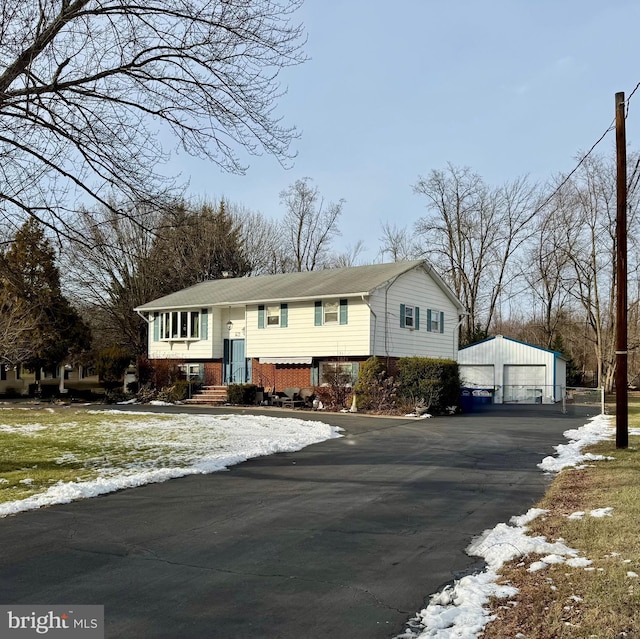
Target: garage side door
{"points": [[477, 375], [524, 384]]}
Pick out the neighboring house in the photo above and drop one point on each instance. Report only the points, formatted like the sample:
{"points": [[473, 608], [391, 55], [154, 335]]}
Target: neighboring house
{"points": [[517, 372], [287, 330], [11, 380], [16, 380]]}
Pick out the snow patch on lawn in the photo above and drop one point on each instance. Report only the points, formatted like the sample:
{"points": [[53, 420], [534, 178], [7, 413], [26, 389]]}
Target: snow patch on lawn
{"points": [[179, 446]]}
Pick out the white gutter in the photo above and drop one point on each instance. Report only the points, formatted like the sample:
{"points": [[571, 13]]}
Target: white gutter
{"points": [[146, 319]]}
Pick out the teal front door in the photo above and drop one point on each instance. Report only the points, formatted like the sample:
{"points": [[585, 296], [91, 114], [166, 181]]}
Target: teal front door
{"points": [[235, 363]]}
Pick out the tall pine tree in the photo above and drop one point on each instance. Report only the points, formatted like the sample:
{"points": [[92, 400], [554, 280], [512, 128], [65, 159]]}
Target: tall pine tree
{"points": [[30, 279]]}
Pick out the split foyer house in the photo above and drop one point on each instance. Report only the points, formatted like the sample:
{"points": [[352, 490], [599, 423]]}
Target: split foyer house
{"points": [[287, 330]]}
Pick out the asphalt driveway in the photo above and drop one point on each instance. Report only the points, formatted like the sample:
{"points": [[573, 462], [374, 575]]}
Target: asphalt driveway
{"points": [[343, 539]]}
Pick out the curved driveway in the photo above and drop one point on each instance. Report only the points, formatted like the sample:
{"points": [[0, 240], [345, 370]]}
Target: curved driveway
{"points": [[341, 540]]}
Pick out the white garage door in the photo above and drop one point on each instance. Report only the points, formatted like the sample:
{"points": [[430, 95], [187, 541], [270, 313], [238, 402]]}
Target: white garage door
{"points": [[477, 375], [524, 384]]}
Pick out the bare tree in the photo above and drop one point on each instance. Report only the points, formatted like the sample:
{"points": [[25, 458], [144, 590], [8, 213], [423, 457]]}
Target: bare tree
{"points": [[472, 233], [152, 251], [591, 215], [349, 257], [308, 226], [111, 273], [20, 339], [89, 87], [262, 241], [546, 267], [397, 243]]}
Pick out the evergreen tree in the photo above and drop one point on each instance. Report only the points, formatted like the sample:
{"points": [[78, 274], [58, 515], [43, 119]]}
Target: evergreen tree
{"points": [[197, 245], [30, 279]]}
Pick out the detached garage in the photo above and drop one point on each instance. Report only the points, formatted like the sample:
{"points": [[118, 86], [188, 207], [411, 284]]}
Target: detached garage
{"points": [[517, 372]]}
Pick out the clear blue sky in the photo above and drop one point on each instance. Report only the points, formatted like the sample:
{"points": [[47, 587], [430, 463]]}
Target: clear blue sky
{"points": [[395, 89]]}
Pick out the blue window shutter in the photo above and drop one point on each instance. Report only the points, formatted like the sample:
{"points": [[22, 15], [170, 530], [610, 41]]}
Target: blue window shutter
{"points": [[416, 319], [402, 323], [226, 366], [441, 322], [429, 320], [344, 311], [284, 315], [204, 315], [317, 318], [355, 370], [315, 374], [261, 316], [156, 326]]}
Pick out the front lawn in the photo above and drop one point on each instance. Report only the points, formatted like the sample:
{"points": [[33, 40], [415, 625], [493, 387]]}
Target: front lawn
{"points": [[56, 455]]}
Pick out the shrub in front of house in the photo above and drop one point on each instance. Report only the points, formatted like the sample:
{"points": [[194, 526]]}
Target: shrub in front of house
{"points": [[177, 392], [242, 394], [428, 382], [337, 388], [375, 389]]}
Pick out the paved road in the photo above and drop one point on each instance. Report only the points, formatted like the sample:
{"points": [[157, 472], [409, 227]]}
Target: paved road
{"points": [[343, 540]]}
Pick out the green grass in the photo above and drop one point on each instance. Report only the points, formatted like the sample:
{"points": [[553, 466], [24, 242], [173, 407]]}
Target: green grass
{"points": [[609, 605], [41, 447]]}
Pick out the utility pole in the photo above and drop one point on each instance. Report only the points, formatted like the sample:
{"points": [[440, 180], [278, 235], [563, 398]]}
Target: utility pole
{"points": [[622, 409]]}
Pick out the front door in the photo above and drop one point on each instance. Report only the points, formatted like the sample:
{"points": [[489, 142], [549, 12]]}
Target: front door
{"points": [[235, 363]]}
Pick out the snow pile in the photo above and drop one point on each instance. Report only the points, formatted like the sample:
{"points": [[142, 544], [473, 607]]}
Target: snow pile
{"points": [[458, 611], [179, 446], [599, 429]]}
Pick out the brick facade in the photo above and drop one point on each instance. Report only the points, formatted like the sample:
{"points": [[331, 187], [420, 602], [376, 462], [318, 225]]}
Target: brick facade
{"points": [[281, 376], [213, 373]]}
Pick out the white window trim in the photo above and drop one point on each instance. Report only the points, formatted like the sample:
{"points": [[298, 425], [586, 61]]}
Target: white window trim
{"points": [[409, 317], [167, 327], [276, 315], [325, 306], [435, 320]]}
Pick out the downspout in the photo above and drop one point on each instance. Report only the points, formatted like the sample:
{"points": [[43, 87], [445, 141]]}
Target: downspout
{"points": [[461, 316], [375, 325], [386, 315]]}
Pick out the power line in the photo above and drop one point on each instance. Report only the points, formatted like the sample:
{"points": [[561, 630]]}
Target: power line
{"points": [[582, 160]]}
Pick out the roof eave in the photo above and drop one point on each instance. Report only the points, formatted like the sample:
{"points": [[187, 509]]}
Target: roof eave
{"points": [[177, 307]]}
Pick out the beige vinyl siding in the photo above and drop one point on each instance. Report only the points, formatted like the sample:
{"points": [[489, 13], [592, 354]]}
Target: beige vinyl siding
{"points": [[302, 338], [415, 288]]}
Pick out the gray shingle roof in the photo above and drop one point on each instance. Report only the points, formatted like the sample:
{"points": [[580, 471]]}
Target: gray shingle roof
{"points": [[339, 282]]}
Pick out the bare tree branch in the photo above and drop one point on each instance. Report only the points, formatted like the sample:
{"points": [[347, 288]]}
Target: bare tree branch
{"points": [[88, 88]]}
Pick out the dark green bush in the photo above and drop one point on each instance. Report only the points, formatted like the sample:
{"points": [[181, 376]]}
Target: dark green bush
{"points": [[433, 383], [242, 394], [111, 364], [375, 390], [115, 395], [133, 387]]}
